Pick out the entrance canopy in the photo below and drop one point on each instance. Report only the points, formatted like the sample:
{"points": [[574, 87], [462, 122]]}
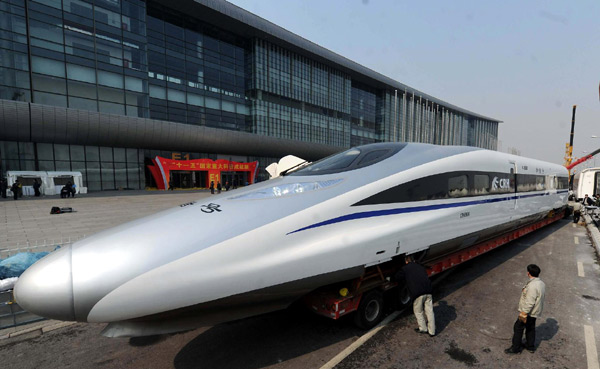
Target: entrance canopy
{"points": [[161, 170]]}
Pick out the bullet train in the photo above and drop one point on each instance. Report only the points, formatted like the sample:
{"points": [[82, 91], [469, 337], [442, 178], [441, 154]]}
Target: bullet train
{"points": [[262, 247]]}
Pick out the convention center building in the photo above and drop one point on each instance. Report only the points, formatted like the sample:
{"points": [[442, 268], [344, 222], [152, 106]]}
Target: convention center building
{"points": [[109, 88]]}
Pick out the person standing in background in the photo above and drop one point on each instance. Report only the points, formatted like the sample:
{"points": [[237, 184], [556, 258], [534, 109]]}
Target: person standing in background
{"points": [[36, 187], [15, 189], [531, 305], [3, 187]]}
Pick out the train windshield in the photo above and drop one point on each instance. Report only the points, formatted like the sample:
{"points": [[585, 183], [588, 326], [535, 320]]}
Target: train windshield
{"points": [[355, 158]]}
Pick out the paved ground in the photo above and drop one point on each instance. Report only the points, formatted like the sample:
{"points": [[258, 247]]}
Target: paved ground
{"points": [[475, 309], [28, 222]]}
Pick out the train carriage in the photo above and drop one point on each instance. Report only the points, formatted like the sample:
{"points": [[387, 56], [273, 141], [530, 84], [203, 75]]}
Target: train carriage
{"points": [[262, 247]]}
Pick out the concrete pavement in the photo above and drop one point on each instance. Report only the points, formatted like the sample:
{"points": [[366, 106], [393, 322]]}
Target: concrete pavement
{"points": [[27, 222]]}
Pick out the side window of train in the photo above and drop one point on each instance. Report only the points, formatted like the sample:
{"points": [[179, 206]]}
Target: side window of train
{"points": [[530, 182], [525, 183], [443, 186], [481, 184], [458, 186], [540, 183], [371, 157], [563, 183]]}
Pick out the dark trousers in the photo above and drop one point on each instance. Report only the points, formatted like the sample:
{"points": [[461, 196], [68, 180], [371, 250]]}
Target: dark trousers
{"points": [[529, 329], [576, 216]]}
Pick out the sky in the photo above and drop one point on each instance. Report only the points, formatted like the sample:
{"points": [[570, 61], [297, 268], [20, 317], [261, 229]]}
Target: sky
{"points": [[525, 63]]}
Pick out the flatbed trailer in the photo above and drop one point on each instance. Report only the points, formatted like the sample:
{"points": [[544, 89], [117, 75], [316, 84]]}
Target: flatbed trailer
{"points": [[364, 295]]}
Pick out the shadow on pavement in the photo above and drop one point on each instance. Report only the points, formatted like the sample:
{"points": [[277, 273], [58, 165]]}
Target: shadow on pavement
{"points": [[469, 271], [262, 341], [147, 340], [444, 314], [546, 331]]}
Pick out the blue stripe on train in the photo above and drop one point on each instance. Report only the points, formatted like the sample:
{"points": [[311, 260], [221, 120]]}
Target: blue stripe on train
{"points": [[416, 209]]}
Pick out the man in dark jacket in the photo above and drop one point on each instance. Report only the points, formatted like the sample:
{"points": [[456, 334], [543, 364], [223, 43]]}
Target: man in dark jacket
{"points": [[3, 187], [36, 187], [15, 189], [419, 286]]}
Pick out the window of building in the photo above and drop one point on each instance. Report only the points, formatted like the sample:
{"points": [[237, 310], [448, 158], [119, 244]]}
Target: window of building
{"points": [[81, 89], [44, 31], [48, 66], [77, 152], [81, 73], [49, 99], [111, 108], [110, 79], [49, 84]]}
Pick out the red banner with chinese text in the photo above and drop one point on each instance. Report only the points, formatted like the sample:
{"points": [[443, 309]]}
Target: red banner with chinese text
{"points": [[161, 170]]}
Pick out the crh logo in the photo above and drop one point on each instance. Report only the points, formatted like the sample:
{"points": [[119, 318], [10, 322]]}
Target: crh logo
{"points": [[210, 208], [502, 183]]}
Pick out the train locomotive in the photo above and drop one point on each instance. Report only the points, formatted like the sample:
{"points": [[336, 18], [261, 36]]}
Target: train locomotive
{"points": [[262, 247]]}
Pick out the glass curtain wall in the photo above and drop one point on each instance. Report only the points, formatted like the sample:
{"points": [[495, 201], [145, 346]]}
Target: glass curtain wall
{"points": [[14, 63], [197, 75], [297, 98], [409, 118], [89, 56], [365, 121], [482, 133], [102, 168]]}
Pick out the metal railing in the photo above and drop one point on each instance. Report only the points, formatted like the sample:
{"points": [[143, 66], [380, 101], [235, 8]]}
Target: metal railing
{"points": [[11, 314], [38, 246]]}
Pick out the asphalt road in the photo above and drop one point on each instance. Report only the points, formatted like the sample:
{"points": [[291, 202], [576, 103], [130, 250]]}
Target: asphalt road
{"points": [[475, 308]]}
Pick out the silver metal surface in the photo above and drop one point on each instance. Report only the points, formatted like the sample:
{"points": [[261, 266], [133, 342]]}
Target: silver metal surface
{"points": [[47, 288]]}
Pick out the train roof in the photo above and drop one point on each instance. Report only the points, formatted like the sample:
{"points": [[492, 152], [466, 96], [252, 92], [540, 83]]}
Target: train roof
{"points": [[367, 155]]}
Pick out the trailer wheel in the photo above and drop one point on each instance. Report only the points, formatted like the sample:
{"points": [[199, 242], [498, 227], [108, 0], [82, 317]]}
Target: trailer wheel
{"points": [[370, 310], [403, 296]]}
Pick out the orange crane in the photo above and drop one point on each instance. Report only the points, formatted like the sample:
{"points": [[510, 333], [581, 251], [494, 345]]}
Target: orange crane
{"points": [[569, 149], [569, 146]]}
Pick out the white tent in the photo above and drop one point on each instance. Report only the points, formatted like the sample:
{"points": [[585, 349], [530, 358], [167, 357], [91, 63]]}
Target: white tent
{"points": [[59, 179], [26, 179], [51, 182]]}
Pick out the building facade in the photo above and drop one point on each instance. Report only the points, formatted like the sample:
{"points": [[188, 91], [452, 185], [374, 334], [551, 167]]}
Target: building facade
{"points": [[105, 86]]}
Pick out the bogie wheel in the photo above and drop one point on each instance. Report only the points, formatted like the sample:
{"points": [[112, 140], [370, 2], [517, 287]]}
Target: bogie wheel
{"points": [[403, 296], [370, 310]]}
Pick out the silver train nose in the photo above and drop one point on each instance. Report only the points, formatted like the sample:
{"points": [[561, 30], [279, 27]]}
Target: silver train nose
{"points": [[46, 288]]}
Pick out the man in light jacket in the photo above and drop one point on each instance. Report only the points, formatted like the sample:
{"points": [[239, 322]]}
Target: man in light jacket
{"points": [[531, 305]]}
